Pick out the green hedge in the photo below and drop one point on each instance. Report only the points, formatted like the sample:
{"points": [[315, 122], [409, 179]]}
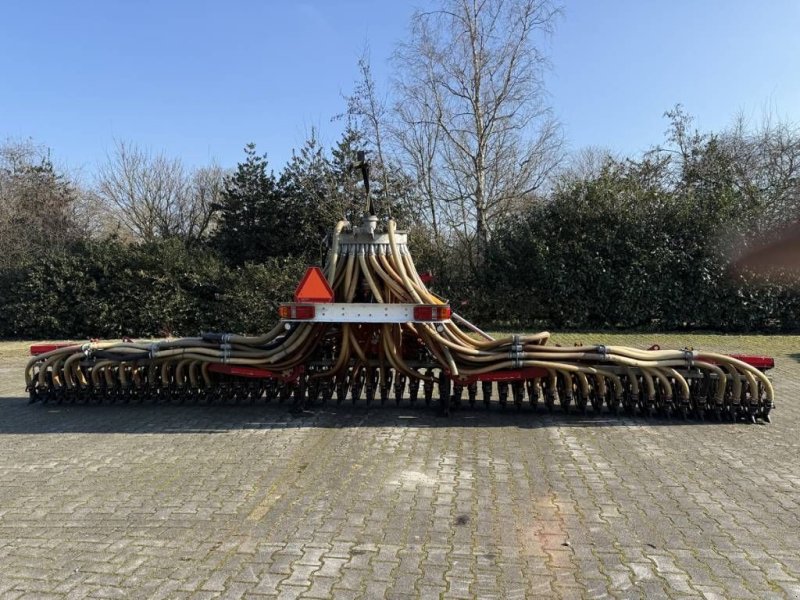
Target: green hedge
{"points": [[592, 259], [583, 261], [111, 290]]}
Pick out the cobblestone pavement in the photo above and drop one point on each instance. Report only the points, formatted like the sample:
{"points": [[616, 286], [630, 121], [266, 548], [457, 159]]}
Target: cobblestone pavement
{"points": [[245, 502]]}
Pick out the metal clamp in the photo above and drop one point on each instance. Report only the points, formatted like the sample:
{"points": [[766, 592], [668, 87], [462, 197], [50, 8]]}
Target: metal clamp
{"points": [[226, 352], [515, 354], [154, 348]]}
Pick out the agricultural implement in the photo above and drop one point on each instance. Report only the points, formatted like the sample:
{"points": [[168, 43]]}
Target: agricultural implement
{"points": [[367, 327]]}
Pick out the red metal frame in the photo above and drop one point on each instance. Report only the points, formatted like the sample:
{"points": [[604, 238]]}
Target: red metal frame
{"points": [[254, 373], [509, 375], [763, 363]]}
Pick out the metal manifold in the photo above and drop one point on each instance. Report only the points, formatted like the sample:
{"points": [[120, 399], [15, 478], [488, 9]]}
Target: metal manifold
{"points": [[368, 327]]}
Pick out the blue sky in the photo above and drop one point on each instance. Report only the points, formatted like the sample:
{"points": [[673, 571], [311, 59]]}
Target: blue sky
{"points": [[198, 80]]}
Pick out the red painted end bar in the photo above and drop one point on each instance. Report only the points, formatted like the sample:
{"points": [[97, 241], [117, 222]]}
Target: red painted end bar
{"points": [[37, 349], [759, 362]]}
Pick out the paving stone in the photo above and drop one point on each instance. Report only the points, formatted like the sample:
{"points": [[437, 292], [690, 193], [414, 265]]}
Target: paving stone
{"points": [[206, 501], [320, 587]]}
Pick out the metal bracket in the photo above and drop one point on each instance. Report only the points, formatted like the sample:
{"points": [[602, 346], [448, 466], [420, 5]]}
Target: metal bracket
{"points": [[516, 352], [226, 352]]}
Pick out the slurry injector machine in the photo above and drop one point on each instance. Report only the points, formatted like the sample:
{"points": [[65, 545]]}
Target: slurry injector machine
{"points": [[368, 327]]}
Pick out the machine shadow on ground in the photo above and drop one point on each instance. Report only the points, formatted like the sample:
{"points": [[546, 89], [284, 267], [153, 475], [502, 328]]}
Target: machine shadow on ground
{"points": [[17, 416]]}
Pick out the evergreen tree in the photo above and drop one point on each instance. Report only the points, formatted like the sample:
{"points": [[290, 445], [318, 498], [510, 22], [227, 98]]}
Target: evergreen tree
{"points": [[250, 223], [309, 208]]}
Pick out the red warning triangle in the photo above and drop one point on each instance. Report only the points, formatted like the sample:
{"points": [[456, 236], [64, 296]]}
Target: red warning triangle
{"points": [[313, 287]]}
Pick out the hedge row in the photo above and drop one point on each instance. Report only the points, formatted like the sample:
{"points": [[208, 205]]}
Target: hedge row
{"points": [[587, 260], [563, 265], [112, 290]]}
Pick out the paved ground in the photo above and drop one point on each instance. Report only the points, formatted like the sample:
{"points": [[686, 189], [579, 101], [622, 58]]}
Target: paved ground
{"points": [[204, 502]]}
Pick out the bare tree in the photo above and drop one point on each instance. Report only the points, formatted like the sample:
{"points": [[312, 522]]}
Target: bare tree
{"points": [[760, 165], [366, 105], [767, 167], [585, 164], [471, 100], [155, 197], [90, 215], [206, 187], [416, 136], [37, 203]]}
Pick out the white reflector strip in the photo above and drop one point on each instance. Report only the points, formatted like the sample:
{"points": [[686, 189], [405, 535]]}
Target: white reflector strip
{"points": [[342, 312]]}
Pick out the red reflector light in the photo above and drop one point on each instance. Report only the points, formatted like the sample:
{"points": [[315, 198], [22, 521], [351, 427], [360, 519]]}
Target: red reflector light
{"points": [[296, 312], [423, 313], [431, 313]]}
